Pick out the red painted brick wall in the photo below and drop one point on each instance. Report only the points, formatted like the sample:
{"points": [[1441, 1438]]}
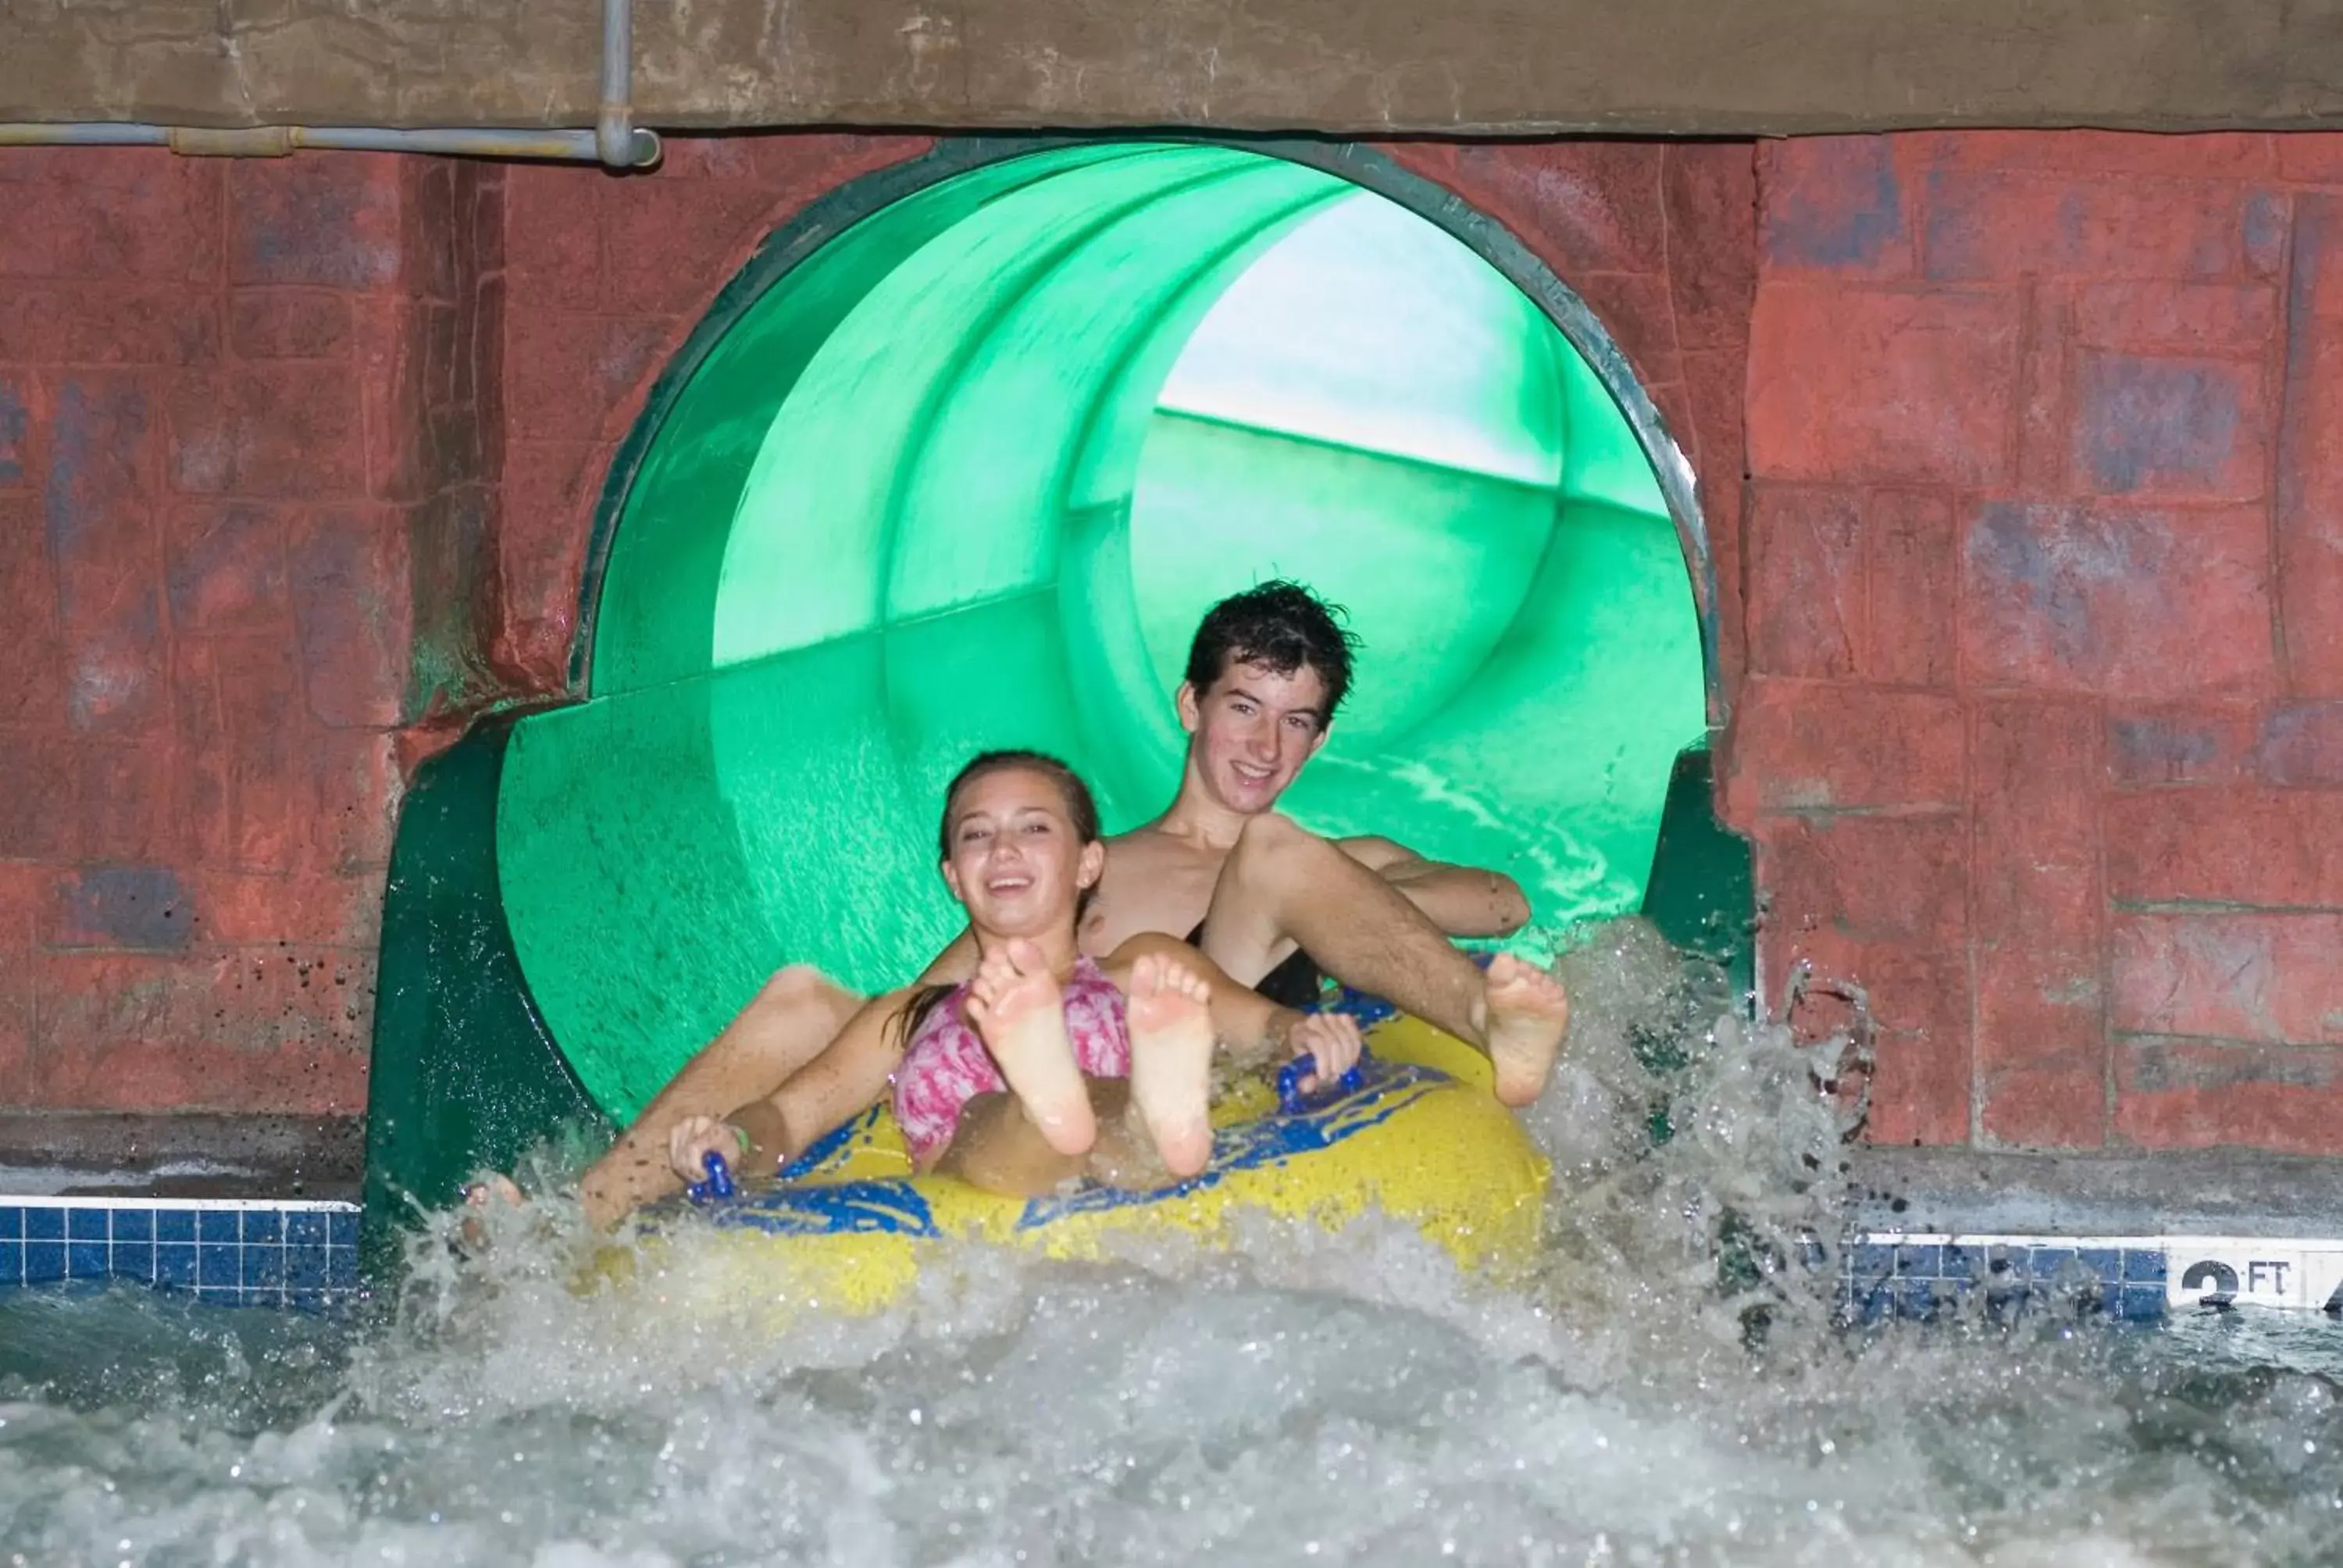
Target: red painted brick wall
{"points": [[231, 399], [605, 279], [2042, 735]]}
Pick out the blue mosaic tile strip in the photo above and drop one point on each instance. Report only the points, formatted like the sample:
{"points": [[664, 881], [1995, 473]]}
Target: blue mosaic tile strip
{"points": [[1920, 1280], [305, 1256], [241, 1255]]}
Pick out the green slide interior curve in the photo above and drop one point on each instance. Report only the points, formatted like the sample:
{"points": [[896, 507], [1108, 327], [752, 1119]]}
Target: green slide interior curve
{"points": [[967, 475]]}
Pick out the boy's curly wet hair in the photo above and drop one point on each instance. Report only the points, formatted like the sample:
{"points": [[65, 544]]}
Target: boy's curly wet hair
{"points": [[1280, 625]]}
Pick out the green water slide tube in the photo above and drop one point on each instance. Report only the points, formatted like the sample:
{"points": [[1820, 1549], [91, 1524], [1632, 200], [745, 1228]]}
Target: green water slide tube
{"points": [[956, 463]]}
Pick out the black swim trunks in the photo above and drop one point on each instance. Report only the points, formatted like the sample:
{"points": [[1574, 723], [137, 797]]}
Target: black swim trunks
{"points": [[1297, 983]]}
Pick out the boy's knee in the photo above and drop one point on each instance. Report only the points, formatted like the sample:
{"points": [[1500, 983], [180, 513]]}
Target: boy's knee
{"points": [[800, 983], [798, 990], [1271, 838]]}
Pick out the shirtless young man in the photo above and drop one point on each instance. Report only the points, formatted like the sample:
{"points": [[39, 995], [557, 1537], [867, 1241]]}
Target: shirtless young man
{"points": [[1268, 901]]}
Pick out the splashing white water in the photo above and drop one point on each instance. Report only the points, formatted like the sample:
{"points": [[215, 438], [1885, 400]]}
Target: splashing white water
{"points": [[1303, 1398]]}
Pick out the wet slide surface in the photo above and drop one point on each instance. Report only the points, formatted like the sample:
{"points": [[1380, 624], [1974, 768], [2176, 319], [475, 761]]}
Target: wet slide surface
{"points": [[967, 475]]}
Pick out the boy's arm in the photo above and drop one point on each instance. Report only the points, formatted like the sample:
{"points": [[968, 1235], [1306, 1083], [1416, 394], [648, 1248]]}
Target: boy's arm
{"points": [[956, 963], [1462, 901]]}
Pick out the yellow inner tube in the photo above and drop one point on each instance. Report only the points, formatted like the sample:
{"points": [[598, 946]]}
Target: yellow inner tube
{"points": [[1420, 1139]]}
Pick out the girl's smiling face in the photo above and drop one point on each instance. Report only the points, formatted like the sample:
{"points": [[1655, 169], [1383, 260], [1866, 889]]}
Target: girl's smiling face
{"points": [[1016, 861]]}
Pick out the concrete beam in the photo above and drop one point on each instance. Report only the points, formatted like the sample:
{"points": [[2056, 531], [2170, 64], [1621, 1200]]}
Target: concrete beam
{"points": [[186, 1154], [1347, 66], [2172, 1193]]}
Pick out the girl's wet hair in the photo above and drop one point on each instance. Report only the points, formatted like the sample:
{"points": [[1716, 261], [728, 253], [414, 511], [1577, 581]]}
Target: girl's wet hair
{"points": [[1081, 807]]}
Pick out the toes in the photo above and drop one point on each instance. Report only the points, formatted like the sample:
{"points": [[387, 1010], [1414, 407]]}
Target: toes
{"points": [[1187, 1149], [1181, 978], [991, 976]]}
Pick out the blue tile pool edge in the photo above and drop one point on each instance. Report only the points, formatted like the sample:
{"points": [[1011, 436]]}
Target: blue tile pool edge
{"points": [[2138, 1278], [300, 1253], [303, 1252]]}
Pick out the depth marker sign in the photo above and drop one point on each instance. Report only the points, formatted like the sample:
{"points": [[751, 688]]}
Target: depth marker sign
{"points": [[2232, 1270]]}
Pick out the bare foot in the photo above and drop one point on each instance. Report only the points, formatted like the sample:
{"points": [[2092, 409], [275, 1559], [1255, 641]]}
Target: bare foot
{"points": [[1529, 1014], [1016, 1006], [1125, 1155], [1172, 1044]]}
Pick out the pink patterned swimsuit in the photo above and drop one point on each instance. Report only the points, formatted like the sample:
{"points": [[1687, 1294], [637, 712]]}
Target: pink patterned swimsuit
{"points": [[946, 1064]]}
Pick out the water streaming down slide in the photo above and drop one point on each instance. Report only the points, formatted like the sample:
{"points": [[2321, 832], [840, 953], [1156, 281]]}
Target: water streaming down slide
{"points": [[966, 475]]}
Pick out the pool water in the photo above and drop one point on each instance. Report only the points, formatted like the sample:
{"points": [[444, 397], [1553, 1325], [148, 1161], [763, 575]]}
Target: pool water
{"points": [[1303, 1399]]}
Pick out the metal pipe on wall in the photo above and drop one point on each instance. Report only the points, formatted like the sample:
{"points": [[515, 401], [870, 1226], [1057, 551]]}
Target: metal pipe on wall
{"points": [[614, 135], [616, 142]]}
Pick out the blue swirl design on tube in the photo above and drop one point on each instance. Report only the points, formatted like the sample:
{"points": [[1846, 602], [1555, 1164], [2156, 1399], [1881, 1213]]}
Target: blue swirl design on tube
{"points": [[896, 1206]]}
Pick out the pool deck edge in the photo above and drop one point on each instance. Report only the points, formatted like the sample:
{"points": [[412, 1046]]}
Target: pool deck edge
{"points": [[2201, 1192]]}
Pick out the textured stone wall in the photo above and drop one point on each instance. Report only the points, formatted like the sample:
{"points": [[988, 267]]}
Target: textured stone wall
{"points": [[231, 400], [2042, 736]]}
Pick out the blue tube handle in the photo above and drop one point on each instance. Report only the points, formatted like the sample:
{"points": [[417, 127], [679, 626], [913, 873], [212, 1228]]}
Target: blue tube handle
{"points": [[720, 1180], [1289, 1077]]}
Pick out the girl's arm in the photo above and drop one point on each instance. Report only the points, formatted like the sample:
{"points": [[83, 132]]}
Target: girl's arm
{"points": [[844, 1081]]}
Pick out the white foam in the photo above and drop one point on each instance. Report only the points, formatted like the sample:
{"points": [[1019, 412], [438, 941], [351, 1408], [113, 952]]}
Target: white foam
{"points": [[1304, 1398]]}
